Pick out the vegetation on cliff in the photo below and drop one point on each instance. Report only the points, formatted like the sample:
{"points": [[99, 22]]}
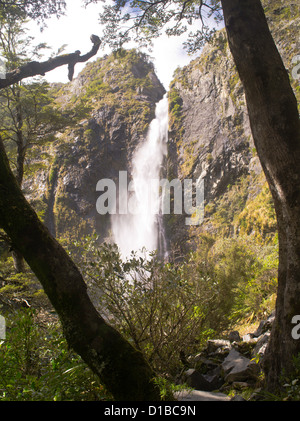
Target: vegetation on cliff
{"points": [[220, 275]]}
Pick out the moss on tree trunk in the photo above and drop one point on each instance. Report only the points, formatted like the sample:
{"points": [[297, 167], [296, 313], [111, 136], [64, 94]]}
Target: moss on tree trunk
{"points": [[119, 366]]}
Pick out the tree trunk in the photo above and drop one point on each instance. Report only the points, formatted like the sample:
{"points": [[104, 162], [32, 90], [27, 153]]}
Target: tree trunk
{"points": [[20, 139], [274, 120], [120, 367], [19, 263], [18, 259]]}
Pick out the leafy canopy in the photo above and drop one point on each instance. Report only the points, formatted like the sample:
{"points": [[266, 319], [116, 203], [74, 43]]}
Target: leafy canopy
{"points": [[144, 20], [39, 10]]}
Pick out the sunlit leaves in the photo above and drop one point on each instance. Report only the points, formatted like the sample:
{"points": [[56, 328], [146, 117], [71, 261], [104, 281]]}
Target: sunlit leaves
{"points": [[145, 20], [39, 10]]}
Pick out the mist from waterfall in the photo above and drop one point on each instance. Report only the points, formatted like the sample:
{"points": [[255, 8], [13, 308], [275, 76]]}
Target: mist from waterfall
{"points": [[141, 227]]}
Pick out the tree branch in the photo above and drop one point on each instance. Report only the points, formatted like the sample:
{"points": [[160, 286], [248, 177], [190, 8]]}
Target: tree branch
{"points": [[35, 68]]}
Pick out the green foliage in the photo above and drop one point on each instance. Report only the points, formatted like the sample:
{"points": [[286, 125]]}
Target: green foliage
{"points": [[68, 224], [166, 309], [115, 81], [243, 272], [258, 217], [153, 305], [168, 389], [175, 102], [288, 385], [37, 365], [242, 213], [146, 20], [38, 10], [176, 126], [224, 211], [242, 251], [17, 288], [189, 158], [29, 115], [291, 383]]}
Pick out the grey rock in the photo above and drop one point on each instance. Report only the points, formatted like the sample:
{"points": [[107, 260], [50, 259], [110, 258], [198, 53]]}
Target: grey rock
{"points": [[238, 398], [231, 360], [240, 385], [259, 330], [197, 395], [261, 345], [214, 344], [264, 326], [248, 337], [192, 378], [203, 364], [234, 336], [238, 368], [196, 380]]}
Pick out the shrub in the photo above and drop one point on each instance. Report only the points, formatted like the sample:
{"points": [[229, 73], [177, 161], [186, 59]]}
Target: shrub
{"points": [[168, 310], [152, 304], [37, 365]]}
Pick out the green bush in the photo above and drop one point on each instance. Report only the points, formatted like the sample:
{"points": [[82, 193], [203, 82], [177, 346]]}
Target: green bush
{"points": [[37, 365], [169, 310], [241, 278], [152, 304], [165, 310]]}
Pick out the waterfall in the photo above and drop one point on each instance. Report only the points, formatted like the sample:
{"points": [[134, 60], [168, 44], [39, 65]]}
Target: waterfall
{"points": [[141, 227]]}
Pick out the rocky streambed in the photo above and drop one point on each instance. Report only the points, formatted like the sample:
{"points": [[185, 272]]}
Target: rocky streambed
{"points": [[227, 364]]}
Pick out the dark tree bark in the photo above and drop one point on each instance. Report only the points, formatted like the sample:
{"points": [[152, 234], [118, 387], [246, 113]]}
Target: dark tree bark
{"points": [[275, 126], [32, 69], [120, 367], [35, 68], [18, 260], [21, 146]]}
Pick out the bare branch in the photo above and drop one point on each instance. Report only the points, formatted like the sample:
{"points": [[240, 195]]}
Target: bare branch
{"points": [[35, 68], [183, 9]]}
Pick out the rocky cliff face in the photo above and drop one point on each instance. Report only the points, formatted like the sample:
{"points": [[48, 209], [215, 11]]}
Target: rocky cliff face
{"points": [[117, 96], [210, 135]]}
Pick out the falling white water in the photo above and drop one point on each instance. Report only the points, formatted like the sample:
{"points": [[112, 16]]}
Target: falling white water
{"points": [[141, 226]]}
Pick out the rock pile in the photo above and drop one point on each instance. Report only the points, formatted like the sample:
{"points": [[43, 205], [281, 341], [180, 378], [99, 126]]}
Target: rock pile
{"points": [[233, 362]]}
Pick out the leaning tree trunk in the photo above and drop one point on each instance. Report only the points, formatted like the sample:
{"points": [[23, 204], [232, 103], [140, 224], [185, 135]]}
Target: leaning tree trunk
{"points": [[274, 120], [18, 259], [119, 366]]}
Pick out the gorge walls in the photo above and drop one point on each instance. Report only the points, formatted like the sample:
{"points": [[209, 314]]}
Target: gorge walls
{"points": [[210, 135], [113, 101]]}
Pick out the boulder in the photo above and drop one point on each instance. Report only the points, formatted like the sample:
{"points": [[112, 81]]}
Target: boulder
{"points": [[261, 345], [214, 344], [238, 398], [197, 395], [234, 336], [203, 364], [246, 348], [192, 378], [264, 325], [205, 382], [248, 337], [238, 368]]}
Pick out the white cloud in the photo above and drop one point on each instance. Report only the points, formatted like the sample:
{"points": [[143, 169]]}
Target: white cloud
{"points": [[168, 54], [74, 29]]}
